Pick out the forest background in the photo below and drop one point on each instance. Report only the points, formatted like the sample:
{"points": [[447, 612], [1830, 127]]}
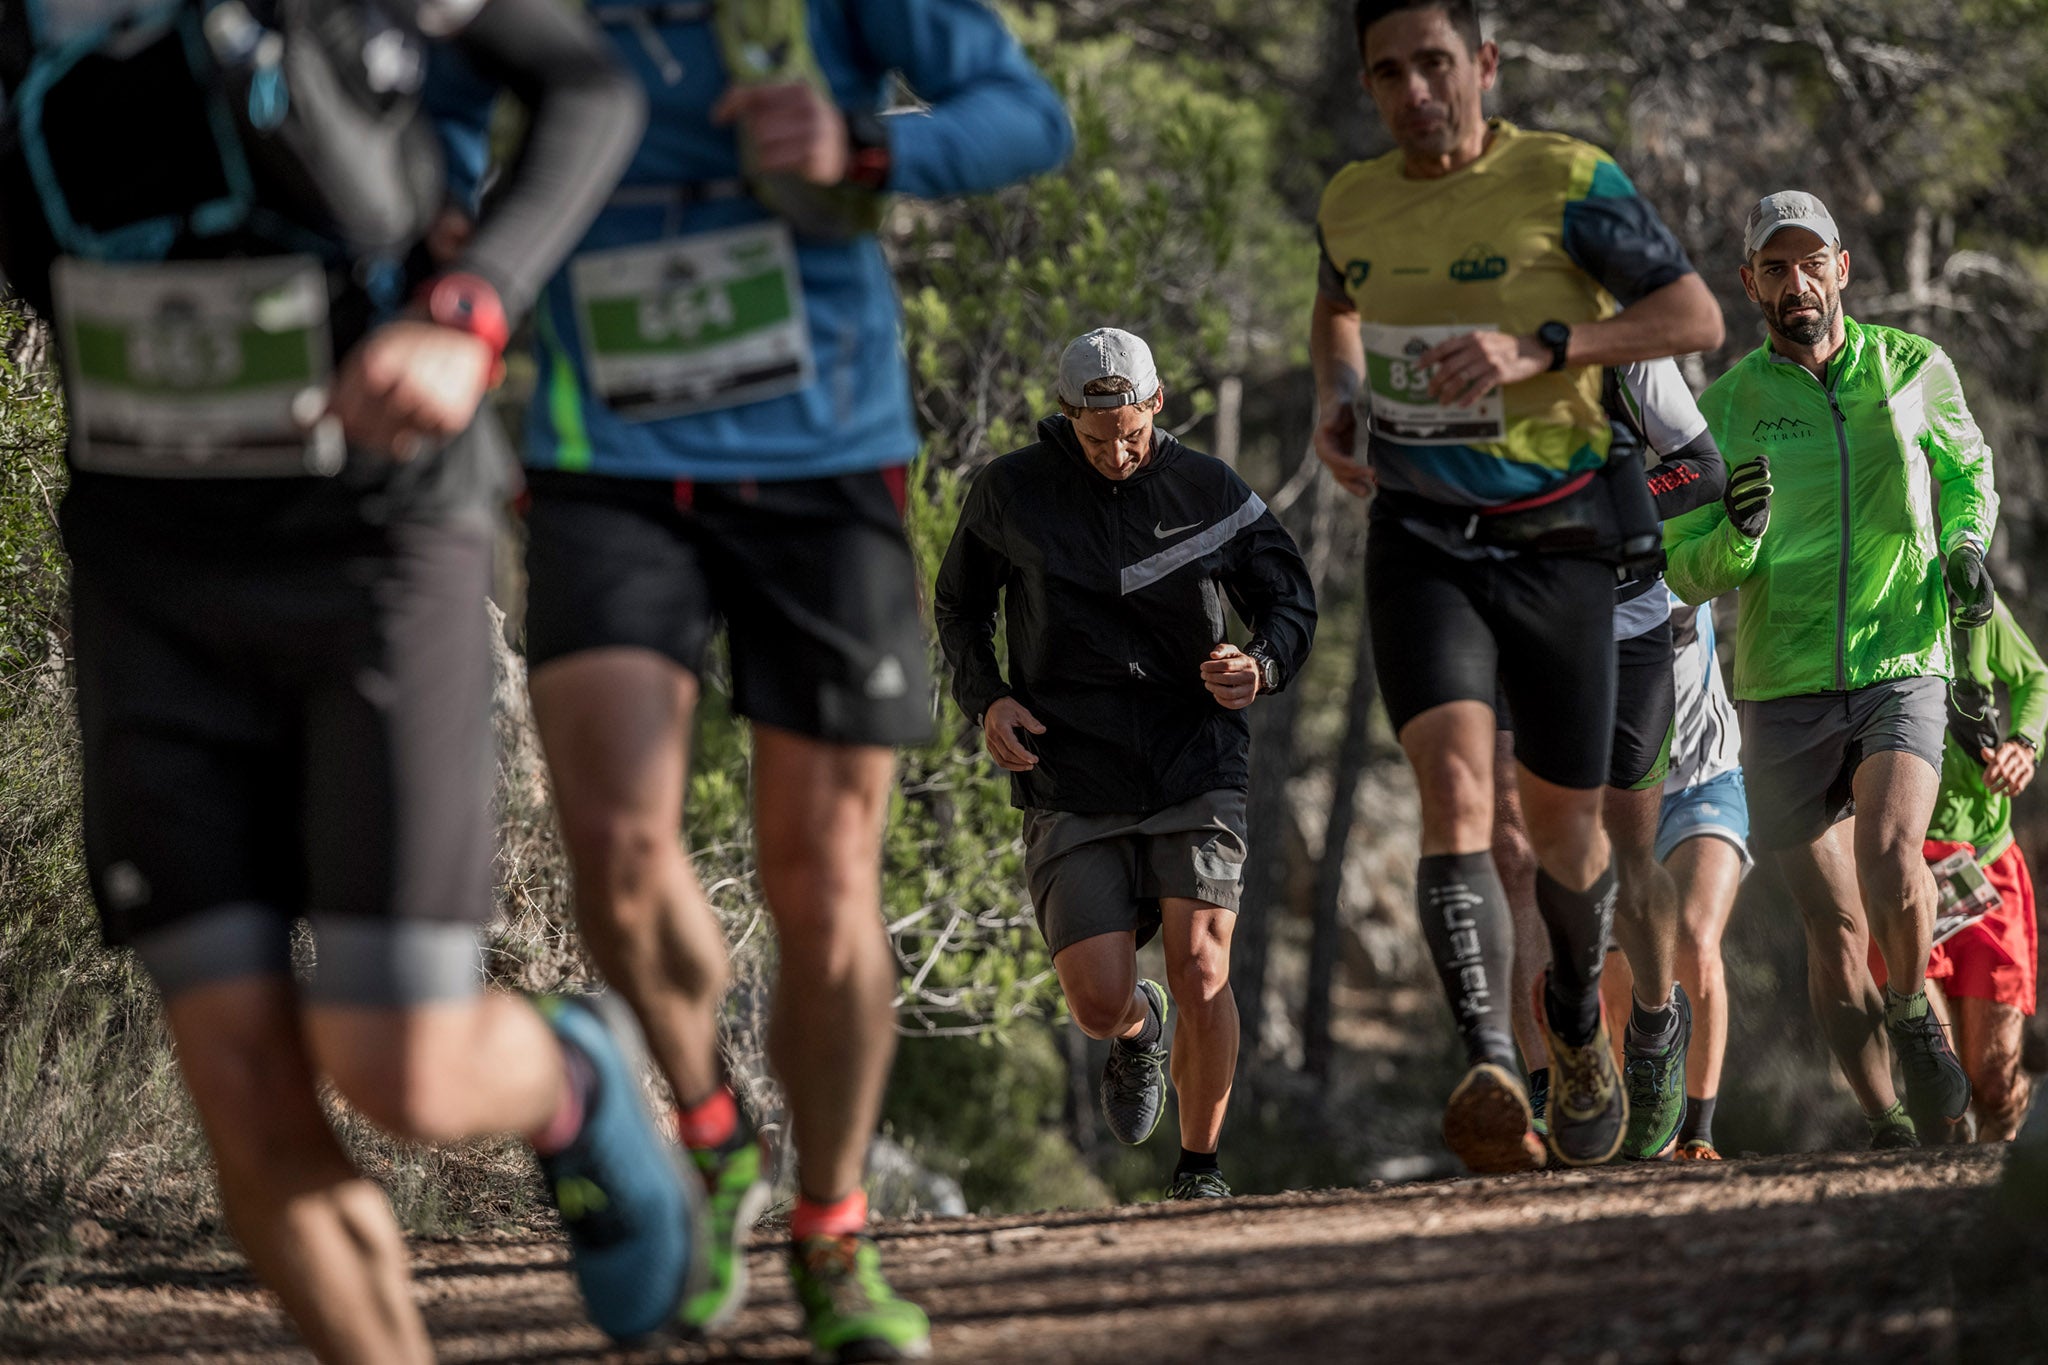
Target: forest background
{"points": [[1207, 129]]}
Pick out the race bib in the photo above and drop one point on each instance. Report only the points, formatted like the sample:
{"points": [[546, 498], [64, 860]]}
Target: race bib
{"points": [[198, 368], [694, 323], [1397, 391]]}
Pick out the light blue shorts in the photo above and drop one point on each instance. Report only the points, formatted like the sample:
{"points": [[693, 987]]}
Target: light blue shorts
{"points": [[1718, 807]]}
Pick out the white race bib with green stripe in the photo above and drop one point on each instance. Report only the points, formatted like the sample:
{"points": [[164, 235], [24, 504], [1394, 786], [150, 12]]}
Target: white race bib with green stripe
{"points": [[197, 368], [1398, 390], [693, 323]]}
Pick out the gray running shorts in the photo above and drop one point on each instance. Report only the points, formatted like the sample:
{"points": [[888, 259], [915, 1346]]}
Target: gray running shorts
{"points": [[1103, 874], [1800, 754]]}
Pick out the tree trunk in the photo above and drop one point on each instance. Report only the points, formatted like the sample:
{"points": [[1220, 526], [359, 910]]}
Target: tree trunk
{"points": [[1352, 755], [1274, 760]]}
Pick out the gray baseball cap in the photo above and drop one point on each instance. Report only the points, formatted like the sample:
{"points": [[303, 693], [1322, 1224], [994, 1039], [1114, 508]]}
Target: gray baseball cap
{"points": [[1104, 353], [1787, 208]]}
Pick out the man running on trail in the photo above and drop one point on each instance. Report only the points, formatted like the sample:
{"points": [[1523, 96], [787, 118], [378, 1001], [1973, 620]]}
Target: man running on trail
{"points": [[1474, 283], [1110, 547], [280, 519], [1702, 841], [1842, 640], [1987, 969], [720, 435], [1652, 412]]}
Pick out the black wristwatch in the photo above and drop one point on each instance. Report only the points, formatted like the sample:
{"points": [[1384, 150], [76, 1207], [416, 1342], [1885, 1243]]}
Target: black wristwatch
{"points": [[1269, 668], [2032, 748], [1558, 338]]}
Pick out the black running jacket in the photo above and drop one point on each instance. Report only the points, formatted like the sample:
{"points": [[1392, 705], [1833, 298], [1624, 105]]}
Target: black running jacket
{"points": [[1113, 594]]}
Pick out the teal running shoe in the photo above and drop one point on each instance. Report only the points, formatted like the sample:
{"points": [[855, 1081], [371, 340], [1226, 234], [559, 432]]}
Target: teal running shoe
{"points": [[629, 1205]]}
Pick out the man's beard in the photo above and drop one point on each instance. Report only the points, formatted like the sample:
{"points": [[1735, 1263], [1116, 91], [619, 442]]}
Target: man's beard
{"points": [[1810, 330]]}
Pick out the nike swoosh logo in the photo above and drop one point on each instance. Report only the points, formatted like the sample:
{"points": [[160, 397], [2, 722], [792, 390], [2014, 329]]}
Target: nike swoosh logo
{"points": [[1162, 532]]}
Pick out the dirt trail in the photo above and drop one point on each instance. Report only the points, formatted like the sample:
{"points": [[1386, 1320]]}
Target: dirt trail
{"points": [[1818, 1258]]}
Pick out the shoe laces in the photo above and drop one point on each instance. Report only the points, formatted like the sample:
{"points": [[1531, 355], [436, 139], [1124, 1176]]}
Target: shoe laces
{"points": [[1132, 1067], [840, 1274], [1578, 1075]]}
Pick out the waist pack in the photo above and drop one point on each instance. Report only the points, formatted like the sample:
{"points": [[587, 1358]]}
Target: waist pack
{"points": [[296, 122], [1604, 514]]}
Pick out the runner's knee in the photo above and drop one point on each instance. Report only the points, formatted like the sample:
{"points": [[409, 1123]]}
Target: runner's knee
{"points": [[619, 856], [1199, 980], [397, 1071], [1099, 1011], [1457, 799]]}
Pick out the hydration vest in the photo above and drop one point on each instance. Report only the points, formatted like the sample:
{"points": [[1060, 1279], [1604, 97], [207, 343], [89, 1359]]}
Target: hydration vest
{"points": [[296, 123]]}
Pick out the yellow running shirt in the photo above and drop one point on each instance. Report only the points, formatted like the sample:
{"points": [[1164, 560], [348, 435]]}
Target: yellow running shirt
{"points": [[1541, 227]]}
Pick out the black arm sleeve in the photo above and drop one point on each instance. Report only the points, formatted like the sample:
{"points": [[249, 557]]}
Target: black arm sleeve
{"points": [[587, 115], [1690, 477], [1269, 587], [968, 593]]}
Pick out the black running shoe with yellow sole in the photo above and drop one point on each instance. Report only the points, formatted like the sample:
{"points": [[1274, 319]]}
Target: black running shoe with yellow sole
{"points": [[850, 1312], [1134, 1079], [1488, 1124], [1588, 1108], [1198, 1185], [1937, 1088]]}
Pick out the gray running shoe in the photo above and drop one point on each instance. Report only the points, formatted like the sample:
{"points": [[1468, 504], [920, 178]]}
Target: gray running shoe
{"points": [[1937, 1088], [1134, 1081], [1588, 1108], [1198, 1185], [1891, 1134]]}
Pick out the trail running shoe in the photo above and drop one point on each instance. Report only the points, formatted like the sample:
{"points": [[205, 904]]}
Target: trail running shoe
{"points": [[1588, 1106], [736, 1193], [1198, 1185], [850, 1312], [1937, 1089], [630, 1206], [1699, 1149], [1488, 1123], [1655, 1077], [1892, 1131], [1134, 1080]]}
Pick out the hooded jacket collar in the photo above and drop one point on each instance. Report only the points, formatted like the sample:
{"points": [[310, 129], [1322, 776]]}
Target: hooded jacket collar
{"points": [[1057, 431]]}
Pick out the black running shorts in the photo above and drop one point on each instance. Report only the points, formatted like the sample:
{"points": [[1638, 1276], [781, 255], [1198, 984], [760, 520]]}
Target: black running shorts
{"points": [[812, 578], [300, 732], [1539, 627], [1645, 710]]}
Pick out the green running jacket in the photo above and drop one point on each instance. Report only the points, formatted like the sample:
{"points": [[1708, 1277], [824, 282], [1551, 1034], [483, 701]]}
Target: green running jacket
{"points": [[1844, 589]]}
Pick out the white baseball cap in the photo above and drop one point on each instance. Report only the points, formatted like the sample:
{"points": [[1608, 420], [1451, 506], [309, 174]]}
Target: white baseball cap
{"points": [[1107, 353]]}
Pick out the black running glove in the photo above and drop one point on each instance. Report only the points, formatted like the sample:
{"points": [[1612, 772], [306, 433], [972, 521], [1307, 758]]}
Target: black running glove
{"points": [[1748, 497], [1969, 586]]}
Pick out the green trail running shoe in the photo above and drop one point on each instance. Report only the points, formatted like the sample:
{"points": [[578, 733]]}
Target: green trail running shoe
{"points": [[1655, 1077], [1892, 1131], [1134, 1080], [850, 1312], [736, 1193], [1198, 1185]]}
